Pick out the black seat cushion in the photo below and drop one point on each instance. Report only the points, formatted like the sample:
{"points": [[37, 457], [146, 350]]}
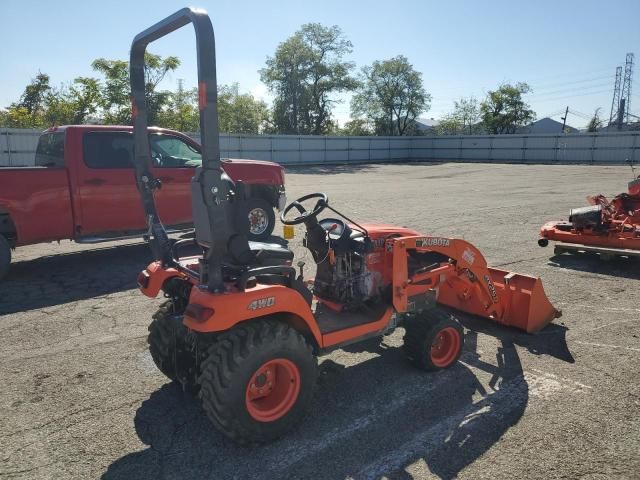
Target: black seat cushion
{"points": [[267, 253]]}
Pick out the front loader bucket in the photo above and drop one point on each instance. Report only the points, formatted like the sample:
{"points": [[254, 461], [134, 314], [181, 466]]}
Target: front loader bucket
{"points": [[521, 300]]}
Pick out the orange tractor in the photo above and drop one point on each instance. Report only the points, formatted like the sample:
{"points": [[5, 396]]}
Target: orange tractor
{"points": [[244, 328], [606, 227]]}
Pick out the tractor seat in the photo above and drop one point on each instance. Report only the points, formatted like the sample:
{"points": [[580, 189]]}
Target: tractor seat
{"points": [[270, 253], [259, 254]]}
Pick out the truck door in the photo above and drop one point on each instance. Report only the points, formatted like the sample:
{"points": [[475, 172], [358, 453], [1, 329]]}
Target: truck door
{"points": [[109, 199], [174, 161]]}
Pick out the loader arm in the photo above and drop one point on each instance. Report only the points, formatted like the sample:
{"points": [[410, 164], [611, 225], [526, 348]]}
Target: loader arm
{"points": [[468, 284]]}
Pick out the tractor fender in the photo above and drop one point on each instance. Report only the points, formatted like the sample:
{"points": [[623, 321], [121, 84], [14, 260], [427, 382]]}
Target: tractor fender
{"points": [[229, 309], [152, 279]]}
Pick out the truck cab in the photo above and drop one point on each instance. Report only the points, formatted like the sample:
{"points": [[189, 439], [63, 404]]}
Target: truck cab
{"points": [[83, 187]]}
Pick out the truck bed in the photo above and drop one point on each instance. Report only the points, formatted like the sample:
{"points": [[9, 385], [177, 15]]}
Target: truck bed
{"points": [[37, 193]]}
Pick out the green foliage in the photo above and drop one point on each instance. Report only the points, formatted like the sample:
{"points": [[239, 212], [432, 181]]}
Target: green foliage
{"points": [[116, 92], [357, 127], [181, 112], [42, 105], [504, 110], [450, 124], [305, 71], [596, 122], [391, 96], [463, 120], [240, 113]]}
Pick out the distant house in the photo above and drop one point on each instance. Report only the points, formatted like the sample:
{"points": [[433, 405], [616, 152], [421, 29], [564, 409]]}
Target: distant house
{"points": [[546, 125]]}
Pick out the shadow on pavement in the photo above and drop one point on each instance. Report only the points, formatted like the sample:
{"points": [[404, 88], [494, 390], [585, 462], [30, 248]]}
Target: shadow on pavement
{"points": [[592, 263], [67, 277], [331, 169], [368, 420]]}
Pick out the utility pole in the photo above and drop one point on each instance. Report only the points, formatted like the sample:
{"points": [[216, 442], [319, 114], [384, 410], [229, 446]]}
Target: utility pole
{"points": [[615, 102], [621, 111], [626, 86], [564, 119]]}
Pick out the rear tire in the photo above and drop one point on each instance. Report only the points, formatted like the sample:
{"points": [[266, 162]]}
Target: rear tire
{"points": [[5, 256], [433, 340], [235, 387], [169, 347]]}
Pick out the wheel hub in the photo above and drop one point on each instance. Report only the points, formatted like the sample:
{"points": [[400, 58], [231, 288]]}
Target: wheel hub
{"points": [[273, 390], [445, 347], [258, 221]]}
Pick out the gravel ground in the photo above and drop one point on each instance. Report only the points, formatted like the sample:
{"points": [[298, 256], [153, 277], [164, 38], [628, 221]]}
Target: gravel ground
{"points": [[81, 398]]}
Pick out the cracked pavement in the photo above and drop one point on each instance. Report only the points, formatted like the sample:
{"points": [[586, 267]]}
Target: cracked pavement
{"points": [[81, 398]]}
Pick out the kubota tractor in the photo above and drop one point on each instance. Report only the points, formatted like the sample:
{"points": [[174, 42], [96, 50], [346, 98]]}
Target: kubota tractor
{"points": [[244, 328], [606, 227]]}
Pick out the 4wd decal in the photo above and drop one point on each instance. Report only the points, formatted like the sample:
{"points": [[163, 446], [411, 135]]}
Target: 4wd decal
{"points": [[262, 303], [433, 242], [492, 289], [378, 243]]}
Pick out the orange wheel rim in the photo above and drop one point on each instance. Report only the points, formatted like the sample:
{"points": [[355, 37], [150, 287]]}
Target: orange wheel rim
{"points": [[445, 347], [273, 390]]}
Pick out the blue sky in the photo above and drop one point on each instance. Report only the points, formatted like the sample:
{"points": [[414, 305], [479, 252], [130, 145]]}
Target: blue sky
{"points": [[566, 50]]}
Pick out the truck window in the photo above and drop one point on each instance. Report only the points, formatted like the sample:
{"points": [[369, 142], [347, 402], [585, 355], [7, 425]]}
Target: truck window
{"points": [[108, 150], [172, 152], [50, 150]]}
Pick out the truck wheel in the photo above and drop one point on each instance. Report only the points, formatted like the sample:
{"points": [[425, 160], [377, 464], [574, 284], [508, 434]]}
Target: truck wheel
{"points": [[169, 347], [433, 340], [5, 256], [257, 381], [261, 217]]}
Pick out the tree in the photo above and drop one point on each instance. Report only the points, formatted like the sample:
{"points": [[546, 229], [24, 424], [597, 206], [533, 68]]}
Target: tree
{"points": [[28, 112], [450, 124], [391, 96], [467, 111], [240, 113], [356, 127], [504, 110], [181, 112], [595, 123], [304, 73], [73, 104], [116, 92]]}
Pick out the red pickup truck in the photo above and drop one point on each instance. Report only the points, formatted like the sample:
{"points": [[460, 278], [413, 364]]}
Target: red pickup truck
{"points": [[83, 188]]}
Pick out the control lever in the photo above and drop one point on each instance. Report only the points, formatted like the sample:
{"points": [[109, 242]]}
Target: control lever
{"points": [[301, 267]]}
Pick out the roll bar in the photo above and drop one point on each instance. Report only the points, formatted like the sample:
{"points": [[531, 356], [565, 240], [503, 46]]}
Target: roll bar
{"points": [[207, 102]]}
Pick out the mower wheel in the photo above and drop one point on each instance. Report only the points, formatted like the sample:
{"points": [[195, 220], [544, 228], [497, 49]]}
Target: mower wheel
{"points": [[257, 381], [169, 348], [5, 256], [433, 340]]}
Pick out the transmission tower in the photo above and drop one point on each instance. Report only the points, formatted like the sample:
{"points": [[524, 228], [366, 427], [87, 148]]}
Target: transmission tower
{"points": [[615, 103], [626, 86]]}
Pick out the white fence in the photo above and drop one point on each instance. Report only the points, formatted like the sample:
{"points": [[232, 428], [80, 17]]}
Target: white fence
{"points": [[17, 148]]}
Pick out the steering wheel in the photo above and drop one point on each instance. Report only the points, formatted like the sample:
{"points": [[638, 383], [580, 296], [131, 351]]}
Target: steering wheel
{"points": [[321, 204]]}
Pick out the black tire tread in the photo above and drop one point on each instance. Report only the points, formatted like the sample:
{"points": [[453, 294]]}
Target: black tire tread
{"points": [[161, 340], [225, 357], [420, 330], [5, 256]]}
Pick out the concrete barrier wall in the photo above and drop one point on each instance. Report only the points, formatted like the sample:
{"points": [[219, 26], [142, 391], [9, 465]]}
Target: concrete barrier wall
{"points": [[17, 148]]}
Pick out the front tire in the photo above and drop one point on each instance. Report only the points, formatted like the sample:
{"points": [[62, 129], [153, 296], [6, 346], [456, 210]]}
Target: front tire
{"points": [[257, 381], [5, 256], [433, 340], [262, 220]]}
